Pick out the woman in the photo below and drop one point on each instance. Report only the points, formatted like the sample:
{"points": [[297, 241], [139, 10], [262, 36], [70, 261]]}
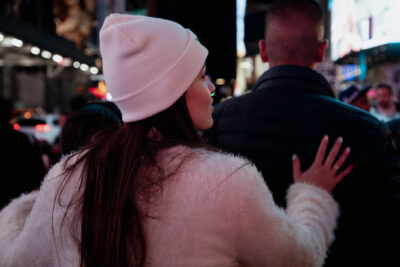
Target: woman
{"points": [[151, 193]]}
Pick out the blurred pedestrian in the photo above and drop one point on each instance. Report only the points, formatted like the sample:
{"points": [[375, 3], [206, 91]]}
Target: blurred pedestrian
{"points": [[20, 158], [152, 193], [356, 97], [291, 107], [82, 126], [76, 103], [385, 109]]}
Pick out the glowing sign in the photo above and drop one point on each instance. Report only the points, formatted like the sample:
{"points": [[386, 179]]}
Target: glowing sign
{"points": [[361, 24]]}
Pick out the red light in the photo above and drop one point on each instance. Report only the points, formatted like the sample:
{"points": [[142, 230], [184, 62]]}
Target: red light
{"points": [[100, 91], [16, 126], [43, 128]]}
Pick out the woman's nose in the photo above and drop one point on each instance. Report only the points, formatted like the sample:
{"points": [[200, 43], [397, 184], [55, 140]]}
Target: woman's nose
{"points": [[211, 87]]}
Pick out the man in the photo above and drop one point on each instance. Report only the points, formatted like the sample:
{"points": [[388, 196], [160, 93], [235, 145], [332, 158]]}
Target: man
{"points": [[289, 110], [386, 109]]}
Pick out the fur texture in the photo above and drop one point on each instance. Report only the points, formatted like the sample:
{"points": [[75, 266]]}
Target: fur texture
{"points": [[217, 211]]}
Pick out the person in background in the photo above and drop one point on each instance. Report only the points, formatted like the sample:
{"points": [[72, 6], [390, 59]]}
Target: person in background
{"points": [[356, 97], [20, 158], [81, 126], [151, 193], [290, 108], [385, 109], [76, 103]]}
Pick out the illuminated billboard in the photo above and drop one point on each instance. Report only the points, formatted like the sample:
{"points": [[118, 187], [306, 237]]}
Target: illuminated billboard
{"points": [[363, 24]]}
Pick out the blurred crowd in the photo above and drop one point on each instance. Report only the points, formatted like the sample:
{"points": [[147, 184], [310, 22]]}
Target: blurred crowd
{"points": [[26, 160], [380, 101]]}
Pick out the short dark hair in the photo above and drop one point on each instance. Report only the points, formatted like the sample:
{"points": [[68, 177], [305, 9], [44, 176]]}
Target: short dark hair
{"points": [[303, 20], [310, 8], [386, 86]]}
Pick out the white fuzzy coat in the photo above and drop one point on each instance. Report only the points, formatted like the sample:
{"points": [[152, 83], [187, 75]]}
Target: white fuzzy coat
{"points": [[212, 213]]}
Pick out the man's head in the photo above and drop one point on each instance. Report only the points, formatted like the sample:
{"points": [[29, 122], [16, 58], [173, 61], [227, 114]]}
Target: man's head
{"points": [[294, 32], [384, 95]]}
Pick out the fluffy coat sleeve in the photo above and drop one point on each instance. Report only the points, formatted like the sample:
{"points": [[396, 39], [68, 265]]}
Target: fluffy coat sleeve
{"points": [[28, 232], [13, 217], [270, 236]]}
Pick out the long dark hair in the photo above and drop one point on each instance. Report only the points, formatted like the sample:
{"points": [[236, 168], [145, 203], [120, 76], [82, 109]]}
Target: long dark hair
{"points": [[111, 221]]}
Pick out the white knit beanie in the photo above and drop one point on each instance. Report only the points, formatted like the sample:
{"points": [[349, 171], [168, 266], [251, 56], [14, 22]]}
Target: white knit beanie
{"points": [[148, 63]]}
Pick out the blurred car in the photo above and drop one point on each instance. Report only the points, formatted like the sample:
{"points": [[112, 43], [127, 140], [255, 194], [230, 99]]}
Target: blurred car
{"points": [[44, 127]]}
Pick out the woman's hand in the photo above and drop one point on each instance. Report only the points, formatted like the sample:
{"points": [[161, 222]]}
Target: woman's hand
{"points": [[323, 174]]}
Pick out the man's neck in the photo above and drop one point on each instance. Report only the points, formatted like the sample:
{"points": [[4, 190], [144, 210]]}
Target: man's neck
{"points": [[274, 64]]}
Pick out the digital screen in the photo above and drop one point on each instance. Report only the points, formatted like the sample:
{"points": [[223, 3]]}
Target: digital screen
{"points": [[363, 24]]}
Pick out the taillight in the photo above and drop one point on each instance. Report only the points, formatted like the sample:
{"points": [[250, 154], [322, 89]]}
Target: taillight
{"points": [[43, 128], [16, 126]]}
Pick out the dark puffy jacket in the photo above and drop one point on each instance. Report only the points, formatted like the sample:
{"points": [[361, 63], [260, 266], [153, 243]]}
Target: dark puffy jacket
{"points": [[20, 163], [289, 111]]}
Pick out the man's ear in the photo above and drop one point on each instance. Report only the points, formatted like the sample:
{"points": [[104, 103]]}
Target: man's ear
{"points": [[263, 50], [322, 45]]}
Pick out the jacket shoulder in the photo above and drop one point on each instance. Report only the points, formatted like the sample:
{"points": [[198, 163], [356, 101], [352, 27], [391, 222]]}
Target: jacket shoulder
{"points": [[210, 166]]}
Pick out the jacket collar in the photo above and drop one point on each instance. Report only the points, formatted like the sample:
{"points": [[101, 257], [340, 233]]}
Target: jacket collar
{"points": [[293, 76]]}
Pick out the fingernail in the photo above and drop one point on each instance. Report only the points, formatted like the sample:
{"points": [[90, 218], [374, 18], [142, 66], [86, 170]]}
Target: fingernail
{"points": [[347, 150], [294, 156], [326, 137], [340, 139], [336, 167]]}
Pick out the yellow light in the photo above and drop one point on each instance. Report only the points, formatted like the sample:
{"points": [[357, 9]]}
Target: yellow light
{"points": [[27, 115], [102, 87], [220, 81]]}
